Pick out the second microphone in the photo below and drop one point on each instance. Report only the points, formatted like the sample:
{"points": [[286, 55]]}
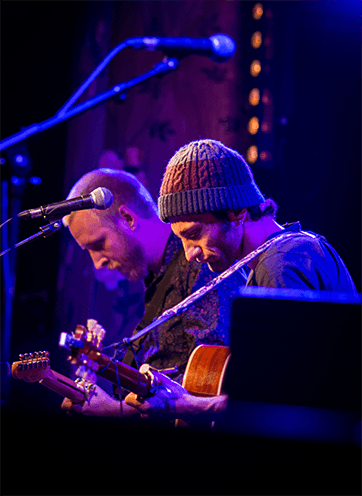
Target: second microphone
{"points": [[100, 198]]}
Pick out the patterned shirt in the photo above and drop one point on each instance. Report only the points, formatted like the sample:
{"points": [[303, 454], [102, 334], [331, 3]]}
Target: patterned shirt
{"points": [[207, 321]]}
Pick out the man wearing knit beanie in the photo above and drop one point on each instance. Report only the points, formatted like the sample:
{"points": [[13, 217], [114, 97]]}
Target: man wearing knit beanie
{"points": [[209, 196]]}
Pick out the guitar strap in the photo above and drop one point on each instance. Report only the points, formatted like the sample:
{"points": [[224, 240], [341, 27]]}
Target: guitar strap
{"points": [[153, 309], [181, 307]]}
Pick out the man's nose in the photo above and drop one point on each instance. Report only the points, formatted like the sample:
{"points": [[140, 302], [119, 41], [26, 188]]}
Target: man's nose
{"points": [[192, 253], [99, 261]]}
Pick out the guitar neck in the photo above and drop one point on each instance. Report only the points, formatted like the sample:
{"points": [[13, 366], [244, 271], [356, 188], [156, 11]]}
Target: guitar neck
{"points": [[121, 374], [63, 385], [38, 370], [35, 367], [211, 360], [86, 352]]}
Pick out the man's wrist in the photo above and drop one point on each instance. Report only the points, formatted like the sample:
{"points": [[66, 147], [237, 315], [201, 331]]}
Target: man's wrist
{"points": [[205, 406]]}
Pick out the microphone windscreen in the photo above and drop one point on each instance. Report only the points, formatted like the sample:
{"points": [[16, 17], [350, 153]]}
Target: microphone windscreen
{"points": [[223, 47], [102, 198]]}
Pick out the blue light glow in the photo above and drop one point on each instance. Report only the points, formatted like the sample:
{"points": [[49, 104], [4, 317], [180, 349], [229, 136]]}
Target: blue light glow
{"points": [[21, 160], [35, 180], [297, 423]]}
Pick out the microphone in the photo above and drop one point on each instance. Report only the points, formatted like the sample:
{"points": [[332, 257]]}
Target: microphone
{"points": [[100, 198], [218, 47]]}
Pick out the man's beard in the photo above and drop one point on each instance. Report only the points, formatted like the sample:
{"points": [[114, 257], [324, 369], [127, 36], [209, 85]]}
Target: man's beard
{"points": [[134, 262]]}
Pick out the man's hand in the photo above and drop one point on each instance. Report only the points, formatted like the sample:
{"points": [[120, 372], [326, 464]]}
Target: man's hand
{"points": [[99, 404], [171, 401], [167, 402]]}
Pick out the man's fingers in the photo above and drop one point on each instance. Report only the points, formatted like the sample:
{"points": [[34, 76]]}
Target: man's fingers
{"points": [[68, 406], [134, 400]]}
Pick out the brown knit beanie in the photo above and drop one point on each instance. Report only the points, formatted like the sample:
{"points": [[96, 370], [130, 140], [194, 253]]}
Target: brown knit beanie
{"points": [[206, 176]]}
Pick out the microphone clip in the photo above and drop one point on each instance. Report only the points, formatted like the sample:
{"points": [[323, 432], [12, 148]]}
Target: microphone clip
{"points": [[50, 228]]}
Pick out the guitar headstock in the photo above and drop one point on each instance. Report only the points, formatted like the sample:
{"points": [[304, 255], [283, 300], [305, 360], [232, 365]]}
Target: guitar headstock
{"points": [[82, 341], [32, 367], [92, 335]]}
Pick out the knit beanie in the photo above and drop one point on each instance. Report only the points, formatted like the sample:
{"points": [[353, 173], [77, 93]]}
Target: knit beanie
{"points": [[206, 176]]}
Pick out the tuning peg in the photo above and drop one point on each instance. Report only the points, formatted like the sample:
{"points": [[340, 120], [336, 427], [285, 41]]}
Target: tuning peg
{"points": [[21, 356], [91, 324], [97, 331], [79, 331]]}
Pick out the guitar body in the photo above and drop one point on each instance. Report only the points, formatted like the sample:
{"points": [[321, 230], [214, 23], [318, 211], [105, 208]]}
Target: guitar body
{"points": [[204, 374], [205, 370]]}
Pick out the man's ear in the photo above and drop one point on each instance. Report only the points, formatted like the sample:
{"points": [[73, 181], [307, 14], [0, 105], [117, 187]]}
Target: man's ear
{"points": [[238, 216], [127, 215]]}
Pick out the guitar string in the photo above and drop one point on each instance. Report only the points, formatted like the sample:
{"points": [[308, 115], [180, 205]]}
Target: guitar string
{"points": [[120, 391]]}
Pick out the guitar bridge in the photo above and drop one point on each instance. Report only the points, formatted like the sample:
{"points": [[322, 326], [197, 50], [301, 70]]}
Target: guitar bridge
{"points": [[86, 387]]}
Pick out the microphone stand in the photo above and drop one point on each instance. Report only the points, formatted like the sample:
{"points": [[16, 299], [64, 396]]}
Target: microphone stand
{"points": [[65, 113], [9, 279], [45, 232], [167, 65], [19, 177]]}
